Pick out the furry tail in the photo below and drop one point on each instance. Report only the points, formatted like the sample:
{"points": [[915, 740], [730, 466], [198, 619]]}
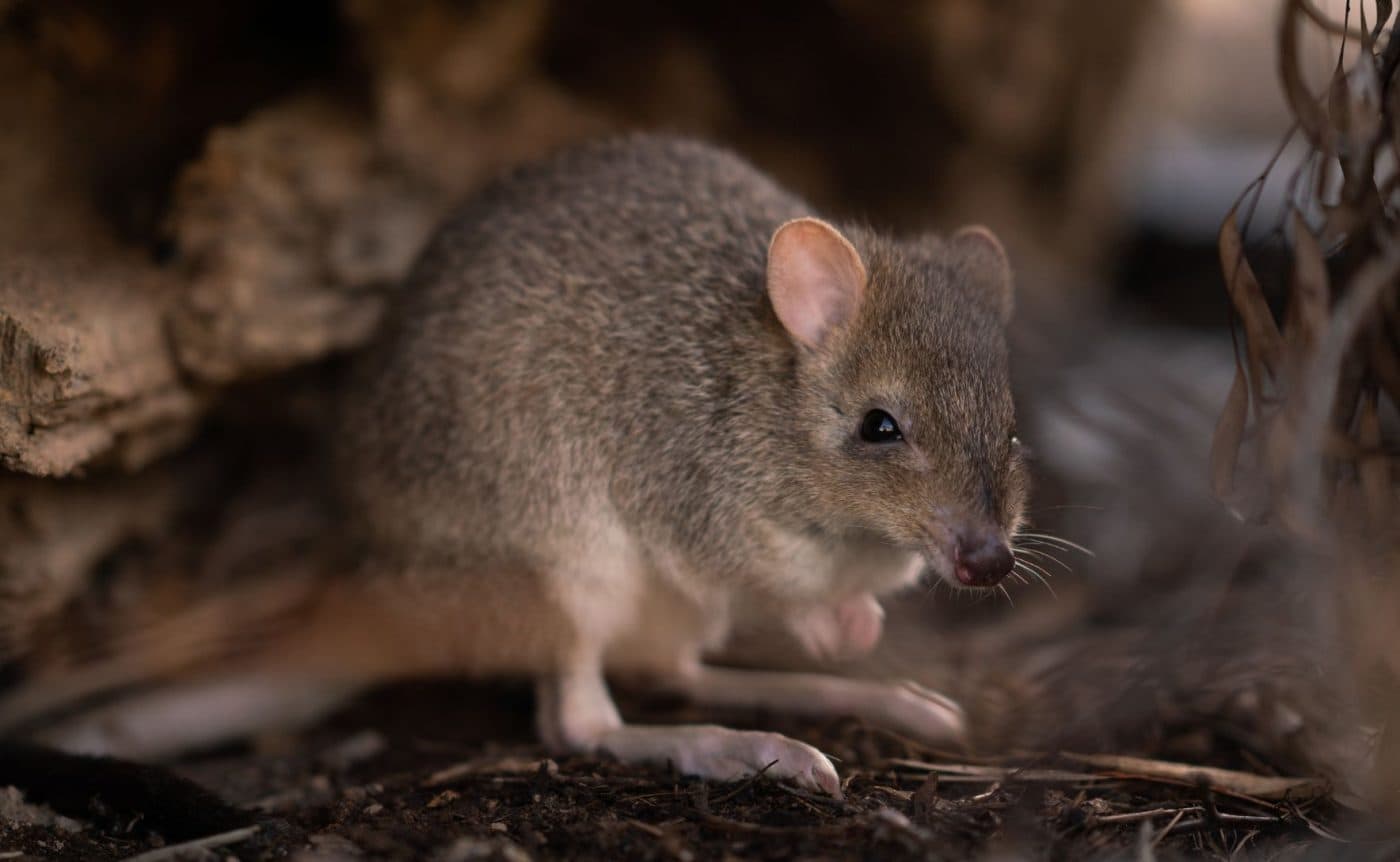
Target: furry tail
{"points": [[85, 664]]}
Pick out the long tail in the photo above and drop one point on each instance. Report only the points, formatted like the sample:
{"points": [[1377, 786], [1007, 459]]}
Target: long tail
{"points": [[158, 642]]}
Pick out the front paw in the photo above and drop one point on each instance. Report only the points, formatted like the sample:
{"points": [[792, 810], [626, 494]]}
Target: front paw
{"points": [[721, 754], [921, 714], [848, 629]]}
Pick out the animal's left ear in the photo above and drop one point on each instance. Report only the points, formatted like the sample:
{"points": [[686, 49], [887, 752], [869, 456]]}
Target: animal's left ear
{"points": [[985, 262], [816, 280]]}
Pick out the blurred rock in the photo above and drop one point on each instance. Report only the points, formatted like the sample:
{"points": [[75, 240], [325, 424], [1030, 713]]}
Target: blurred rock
{"points": [[236, 203]]}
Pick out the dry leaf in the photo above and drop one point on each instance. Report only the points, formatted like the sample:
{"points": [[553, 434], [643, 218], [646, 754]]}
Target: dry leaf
{"points": [[1229, 434], [1382, 17], [1308, 306], [1262, 339], [1354, 104], [1311, 118]]}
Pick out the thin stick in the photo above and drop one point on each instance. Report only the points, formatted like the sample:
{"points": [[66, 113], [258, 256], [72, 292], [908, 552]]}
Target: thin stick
{"points": [[1135, 816], [742, 787], [233, 836], [1170, 826], [1223, 780]]}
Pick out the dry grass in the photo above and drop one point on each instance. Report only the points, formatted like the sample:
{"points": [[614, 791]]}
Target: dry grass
{"points": [[1306, 436]]}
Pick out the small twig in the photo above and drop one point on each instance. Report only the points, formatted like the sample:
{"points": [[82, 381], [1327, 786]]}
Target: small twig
{"points": [[1244, 842], [1206, 823], [653, 831], [808, 799], [1198, 824], [1134, 816], [745, 786], [1246, 818], [1170, 826], [904, 795], [648, 797], [1227, 781], [481, 766], [1317, 828], [992, 774], [233, 836]]}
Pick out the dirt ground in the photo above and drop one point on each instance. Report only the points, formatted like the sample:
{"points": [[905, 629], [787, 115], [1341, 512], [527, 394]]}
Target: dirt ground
{"points": [[449, 772]]}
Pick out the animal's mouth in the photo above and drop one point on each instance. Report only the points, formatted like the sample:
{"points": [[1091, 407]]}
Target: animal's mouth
{"points": [[965, 576], [967, 566], [940, 560]]}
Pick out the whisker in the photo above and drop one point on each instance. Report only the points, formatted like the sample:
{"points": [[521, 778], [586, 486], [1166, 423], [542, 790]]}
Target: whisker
{"points": [[1042, 555], [1045, 582], [1001, 588], [1044, 547], [1035, 567], [987, 595], [1053, 540]]}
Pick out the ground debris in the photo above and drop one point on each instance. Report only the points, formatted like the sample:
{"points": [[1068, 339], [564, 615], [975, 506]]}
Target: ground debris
{"points": [[456, 790]]}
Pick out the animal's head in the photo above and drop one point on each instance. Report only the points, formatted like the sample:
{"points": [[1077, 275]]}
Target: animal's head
{"points": [[903, 395]]}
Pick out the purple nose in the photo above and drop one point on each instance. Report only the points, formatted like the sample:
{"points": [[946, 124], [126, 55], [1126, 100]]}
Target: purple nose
{"points": [[982, 559]]}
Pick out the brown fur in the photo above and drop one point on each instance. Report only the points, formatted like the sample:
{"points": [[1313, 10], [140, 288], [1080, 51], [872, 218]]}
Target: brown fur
{"points": [[584, 441], [589, 340]]}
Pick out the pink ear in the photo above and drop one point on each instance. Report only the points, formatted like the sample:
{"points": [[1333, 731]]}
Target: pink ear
{"points": [[816, 280]]}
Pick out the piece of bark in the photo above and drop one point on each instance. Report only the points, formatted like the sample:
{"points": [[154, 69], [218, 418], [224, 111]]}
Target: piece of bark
{"points": [[85, 372], [284, 229], [292, 225], [86, 375]]}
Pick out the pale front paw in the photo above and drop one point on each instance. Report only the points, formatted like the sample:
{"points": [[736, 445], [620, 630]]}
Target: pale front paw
{"points": [[922, 714], [721, 754], [848, 629], [729, 755]]}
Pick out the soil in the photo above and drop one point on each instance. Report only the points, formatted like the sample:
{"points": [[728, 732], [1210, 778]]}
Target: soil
{"points": [[450, 772]]}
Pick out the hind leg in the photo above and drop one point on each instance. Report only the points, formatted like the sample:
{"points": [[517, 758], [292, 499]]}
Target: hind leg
{"points": [[194, 715], [576, 713], [903, 707]]}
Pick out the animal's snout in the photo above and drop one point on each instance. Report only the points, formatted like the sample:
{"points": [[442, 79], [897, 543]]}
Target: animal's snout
{"points": [[982, 558]]}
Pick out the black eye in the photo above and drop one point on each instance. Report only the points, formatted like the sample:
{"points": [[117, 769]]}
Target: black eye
{"points": [[879, 427]]}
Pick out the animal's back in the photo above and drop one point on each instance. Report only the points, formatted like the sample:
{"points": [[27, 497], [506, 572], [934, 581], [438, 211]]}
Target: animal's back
{"points": [[574, 328]]}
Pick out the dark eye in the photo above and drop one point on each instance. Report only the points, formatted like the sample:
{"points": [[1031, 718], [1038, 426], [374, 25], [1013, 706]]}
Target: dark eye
{"points": [[879, 427]]}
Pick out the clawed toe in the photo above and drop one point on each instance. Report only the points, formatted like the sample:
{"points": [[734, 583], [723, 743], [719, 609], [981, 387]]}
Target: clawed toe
{"points": [[785, 759], [721, 754]]}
